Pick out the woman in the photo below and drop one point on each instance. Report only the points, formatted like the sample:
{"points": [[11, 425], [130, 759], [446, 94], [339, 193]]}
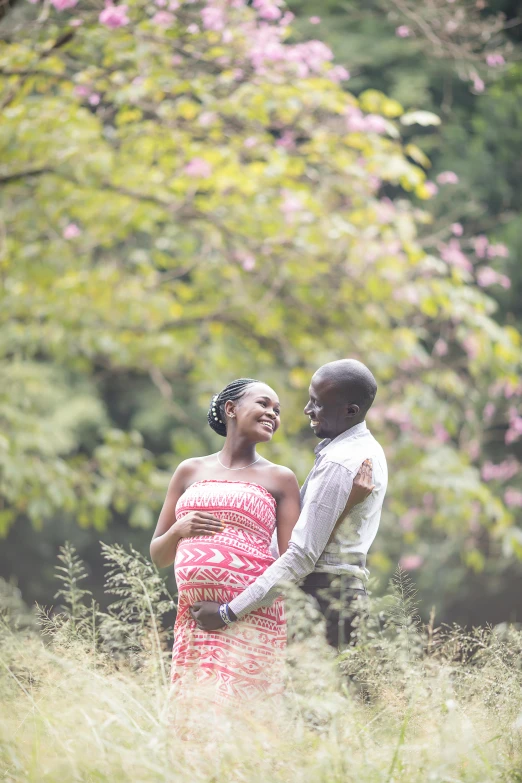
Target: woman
{"points": [[216, 526]]}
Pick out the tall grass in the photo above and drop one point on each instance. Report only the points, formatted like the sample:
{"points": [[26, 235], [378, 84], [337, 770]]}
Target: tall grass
{"points": [[85, 696]]}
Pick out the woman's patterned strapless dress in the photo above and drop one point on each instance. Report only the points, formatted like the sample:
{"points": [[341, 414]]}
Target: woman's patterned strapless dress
{"points": [[242, 661]]}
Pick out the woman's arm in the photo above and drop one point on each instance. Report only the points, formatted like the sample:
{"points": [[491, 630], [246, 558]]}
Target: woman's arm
{"points": [[169, 531], [288, 509], [362, 487]]}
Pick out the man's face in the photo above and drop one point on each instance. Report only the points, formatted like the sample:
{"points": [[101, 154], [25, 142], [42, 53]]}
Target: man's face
{"points": [[329, 411]]}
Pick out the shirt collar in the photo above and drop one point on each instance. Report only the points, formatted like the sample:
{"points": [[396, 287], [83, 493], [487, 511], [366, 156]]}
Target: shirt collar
{"points": [[353, 432]]}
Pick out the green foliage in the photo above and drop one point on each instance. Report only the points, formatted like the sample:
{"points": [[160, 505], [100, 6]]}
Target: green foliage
{"points": [[132, 289]]}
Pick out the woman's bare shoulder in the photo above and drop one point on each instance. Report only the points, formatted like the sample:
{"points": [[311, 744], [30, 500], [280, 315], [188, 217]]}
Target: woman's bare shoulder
{"points": [[282, 479], [189, 468]]}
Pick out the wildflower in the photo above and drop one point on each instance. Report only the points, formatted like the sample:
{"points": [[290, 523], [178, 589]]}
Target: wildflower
{"points": [[403, 31]]}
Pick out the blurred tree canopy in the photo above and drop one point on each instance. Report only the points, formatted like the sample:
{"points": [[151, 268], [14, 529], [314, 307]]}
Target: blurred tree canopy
{"points": [[193, 193]]}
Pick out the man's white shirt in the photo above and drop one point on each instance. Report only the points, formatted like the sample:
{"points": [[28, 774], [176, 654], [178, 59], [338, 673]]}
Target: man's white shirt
{"points": [[324, 496]]}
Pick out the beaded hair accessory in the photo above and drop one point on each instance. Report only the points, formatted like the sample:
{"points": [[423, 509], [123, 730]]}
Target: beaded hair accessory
{"points": [[214, 409]]}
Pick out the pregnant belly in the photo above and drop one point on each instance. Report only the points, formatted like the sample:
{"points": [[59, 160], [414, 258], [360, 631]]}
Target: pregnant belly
{"points": [[206, 560]]}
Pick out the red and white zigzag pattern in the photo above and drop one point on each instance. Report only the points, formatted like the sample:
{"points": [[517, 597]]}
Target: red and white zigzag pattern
{"points": [[242, 661]]}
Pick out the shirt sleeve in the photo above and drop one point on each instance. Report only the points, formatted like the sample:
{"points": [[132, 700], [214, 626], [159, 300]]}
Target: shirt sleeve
{"points": [[326, 497]]}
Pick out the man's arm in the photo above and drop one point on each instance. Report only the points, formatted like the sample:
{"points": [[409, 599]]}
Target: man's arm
{"points": [[327, 500]]}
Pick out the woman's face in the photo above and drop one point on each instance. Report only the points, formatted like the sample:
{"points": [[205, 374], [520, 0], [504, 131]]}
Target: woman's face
{"points": [[256, 414]]}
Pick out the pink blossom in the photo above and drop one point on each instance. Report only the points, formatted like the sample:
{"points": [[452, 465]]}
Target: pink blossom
{"points": [[71, 231], [511, 436], [515, 426], [498, 251], [471, 345], [403, 31], [197, 167], [287, 140], [441, 347], [431, 188], [511, 389], [495, 59], [457, 229], [287, 19], [478, 84], [94, 99], [81, 91], [512, 497], [163, 19], [193, 29], [453, 255], [356, 122], [315, 20], [502, 472], [487, 276], [290, 204], [267, 9], [400, 417], [114, 16], [338, 74], [441, 433], [411, 562], [447, 178], [489, 411], [246, 260], [407, 520], [250, 142], [213, 18], [161, 3], [428, 501], [176, 59], [375, 124], [473, 449], [63, 5], [227, 36], [481, 245], [207, 118]]}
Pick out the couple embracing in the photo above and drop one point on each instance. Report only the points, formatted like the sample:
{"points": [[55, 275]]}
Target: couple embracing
{"points": [[224, 512]]}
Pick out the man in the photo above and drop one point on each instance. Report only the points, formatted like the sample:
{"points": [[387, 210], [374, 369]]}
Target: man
{"points": [[328, 546]]}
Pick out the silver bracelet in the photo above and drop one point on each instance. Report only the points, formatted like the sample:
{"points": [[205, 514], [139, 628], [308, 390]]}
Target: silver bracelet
{"points": [[223, 613]]}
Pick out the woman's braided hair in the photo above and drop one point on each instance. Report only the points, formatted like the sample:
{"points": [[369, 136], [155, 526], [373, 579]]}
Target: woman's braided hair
{"points": [[216, 413]]}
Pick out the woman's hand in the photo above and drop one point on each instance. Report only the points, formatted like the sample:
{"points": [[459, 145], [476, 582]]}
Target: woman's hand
{"points": [[197, 523], [362, 484]]}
